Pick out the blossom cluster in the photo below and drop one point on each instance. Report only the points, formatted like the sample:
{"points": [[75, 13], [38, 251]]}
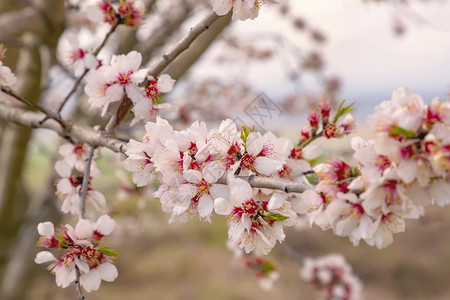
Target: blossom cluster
{"points": [[68, 186], [242, 9], [127, 12], [332, 277], [189, 164], [199, 174], [81, 252], [122, 77], [265, 271], [405, 168]]}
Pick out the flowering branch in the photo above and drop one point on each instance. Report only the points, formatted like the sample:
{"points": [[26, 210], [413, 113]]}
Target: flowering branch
{"points": [[184, 44], [85, 134], [77, 83]]}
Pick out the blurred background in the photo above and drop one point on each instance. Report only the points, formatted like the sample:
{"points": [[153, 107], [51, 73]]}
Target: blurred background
{"points": [[296, 53]]}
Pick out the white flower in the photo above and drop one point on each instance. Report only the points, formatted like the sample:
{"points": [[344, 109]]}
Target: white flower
{"points": [[68, 190], [266, 282], [348, 218], [262, 154], [80, 250], [386, 226], [405, 109], [332, 277], [198, 193], [242, 9], [6, 76], [145, 101], [75, 155], [255, 221], [70, 52], [109, 83]]}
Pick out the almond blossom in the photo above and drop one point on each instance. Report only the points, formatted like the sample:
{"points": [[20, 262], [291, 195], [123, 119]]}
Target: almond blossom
{"points": [[75, 155], [80, 246], [145, 102], [127, 12], [332, 277], [70, 53], [7, 78], [255, 220], [242, 9], [109, 83], [68, 189]]}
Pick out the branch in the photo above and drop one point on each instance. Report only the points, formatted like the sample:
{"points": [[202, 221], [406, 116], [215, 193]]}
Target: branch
{"points": [[163, 32], [85, 134], [49, 114], [85, 183], [17, 22], [271, 183], [75, 132], [78, 284], [184, 44]]}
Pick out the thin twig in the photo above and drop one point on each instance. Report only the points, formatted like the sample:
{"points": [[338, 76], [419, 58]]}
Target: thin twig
{"points": [[291, 252], [86, 180], [77, 83], [74, 132], [49, 114], [111, 124], [78, 284], [183, 44]]}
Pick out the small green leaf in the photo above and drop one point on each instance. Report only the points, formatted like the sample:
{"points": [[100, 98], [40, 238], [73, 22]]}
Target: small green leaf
{"points": [[108, 251], [244, 135], [268, 267], [312, 178], [275, 217], [355, 172], [397, 130], [342, 110]]}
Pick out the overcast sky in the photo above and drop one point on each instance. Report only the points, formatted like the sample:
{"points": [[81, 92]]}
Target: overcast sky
{"points": [[363, 50]]}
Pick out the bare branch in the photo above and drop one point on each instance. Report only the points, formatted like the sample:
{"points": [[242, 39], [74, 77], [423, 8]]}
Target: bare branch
{"points": [[49, 114], [85, 183], [17, 22], [78, 284], [184, 44], [75, 132], [271, 183]]}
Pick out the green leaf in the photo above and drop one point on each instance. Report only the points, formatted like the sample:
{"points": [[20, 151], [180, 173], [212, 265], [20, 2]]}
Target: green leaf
{"points": [[312, 178], [275, 217], [355, 171], [268, 267], [108, 251], [397, 130], [244, 133], [342, 110]]}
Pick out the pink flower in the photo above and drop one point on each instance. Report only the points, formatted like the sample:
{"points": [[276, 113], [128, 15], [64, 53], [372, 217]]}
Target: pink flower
{"points": [[255, 220], [109, 83], [332, 277], [6, 76], [80, 249]]}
